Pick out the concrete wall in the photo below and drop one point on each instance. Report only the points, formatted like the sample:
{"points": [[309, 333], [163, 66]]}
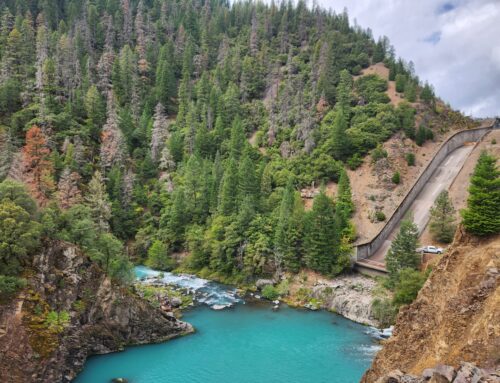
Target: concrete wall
{"points": [[367, 249]]}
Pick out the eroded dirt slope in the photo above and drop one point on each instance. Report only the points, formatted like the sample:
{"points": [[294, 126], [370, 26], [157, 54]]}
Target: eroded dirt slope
{"points": [[456, 316]]}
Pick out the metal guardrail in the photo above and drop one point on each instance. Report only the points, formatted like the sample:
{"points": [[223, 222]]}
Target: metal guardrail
{"points": [[369, 248]]}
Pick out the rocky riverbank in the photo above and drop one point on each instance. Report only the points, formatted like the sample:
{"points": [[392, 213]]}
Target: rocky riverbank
{"points": [[351, 296], [466, 373], [71, 310]]}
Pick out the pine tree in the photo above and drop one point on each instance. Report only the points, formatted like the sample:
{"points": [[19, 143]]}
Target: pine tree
{"points": [[97, 200], [113, 145], [410, 91], [344, 92], [228, 195], [421, 135], [340, 144], [165, 77], [96, 112], [177, 218], [248, 186], [38, 168], [482, 216], [328, 74], [321, 236], [400, 83], [442, 222], [402, 253], [289, 229], [237, 142], [427, 94], [344, 205]]}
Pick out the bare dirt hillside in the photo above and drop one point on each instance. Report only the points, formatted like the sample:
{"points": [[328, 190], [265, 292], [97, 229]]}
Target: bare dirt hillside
{"points": [[459, 189], [371, 183], [456, 316]]}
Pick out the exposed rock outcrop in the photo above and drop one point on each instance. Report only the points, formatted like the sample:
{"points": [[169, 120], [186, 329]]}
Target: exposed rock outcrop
{"points": [[98, 317], [455, 318], [349, 296], [466, 373]]}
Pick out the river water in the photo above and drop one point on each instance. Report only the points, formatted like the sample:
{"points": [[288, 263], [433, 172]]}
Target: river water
{"points": [[247, 343]]}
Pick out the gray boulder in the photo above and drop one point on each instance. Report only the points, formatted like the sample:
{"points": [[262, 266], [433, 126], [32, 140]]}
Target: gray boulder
{"points": [[261, 283]]}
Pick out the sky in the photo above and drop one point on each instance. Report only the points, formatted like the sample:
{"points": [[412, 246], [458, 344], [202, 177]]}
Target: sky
{"points": [[454, 44]]}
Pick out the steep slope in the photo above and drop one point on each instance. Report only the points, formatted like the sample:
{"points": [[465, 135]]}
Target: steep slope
{"points": [[103, 317], [456, 316]]}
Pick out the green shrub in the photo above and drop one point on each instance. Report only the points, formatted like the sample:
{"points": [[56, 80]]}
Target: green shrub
{"points": [[159, 257], [283, 287], [270, 292], [380, 216], [396, 178], [355, 161], [9, 285], [378, 153], [408, 285], [57, 321], [429, 134], [303, 294], [410, 159], [384, 311], [493, 142]]}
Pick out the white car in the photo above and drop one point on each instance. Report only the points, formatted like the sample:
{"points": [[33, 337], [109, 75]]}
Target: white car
{"points": [[431, 249]]}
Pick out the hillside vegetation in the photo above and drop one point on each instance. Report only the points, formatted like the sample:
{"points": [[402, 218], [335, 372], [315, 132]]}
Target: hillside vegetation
{"points": [[184, 129]]}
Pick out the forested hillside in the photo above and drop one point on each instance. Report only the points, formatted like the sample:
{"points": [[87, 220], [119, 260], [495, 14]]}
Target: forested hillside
{"points": [[171, 130]]}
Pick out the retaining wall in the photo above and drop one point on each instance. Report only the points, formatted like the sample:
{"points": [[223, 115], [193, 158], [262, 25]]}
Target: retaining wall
{"points": [[367, 249]]}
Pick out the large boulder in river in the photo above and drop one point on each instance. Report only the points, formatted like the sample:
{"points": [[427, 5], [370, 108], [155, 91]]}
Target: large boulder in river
{"points": [[176, 302]]}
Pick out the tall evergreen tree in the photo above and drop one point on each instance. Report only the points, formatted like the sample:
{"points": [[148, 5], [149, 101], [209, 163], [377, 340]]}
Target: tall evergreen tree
{"points": [[442, 222], [321, 240], [228, 195], [482, 216], [403, 253], [98, 201]]}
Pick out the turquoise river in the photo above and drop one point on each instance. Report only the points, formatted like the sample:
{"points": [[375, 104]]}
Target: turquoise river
{"points": [[247, 343]]}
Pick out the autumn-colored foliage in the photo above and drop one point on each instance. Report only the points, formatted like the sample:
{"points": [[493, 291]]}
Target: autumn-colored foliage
{"points": [[38, 169]]}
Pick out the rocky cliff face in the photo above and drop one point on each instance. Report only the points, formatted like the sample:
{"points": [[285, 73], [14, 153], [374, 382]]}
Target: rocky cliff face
{"points": [[89, 315], [349, 296], [455, 318]]}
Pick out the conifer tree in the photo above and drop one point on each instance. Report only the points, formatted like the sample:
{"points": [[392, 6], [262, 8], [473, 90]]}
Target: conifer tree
{"points": [[176, 218], [248, 186], [112, 140], [228, 195], [238, 140], [403, 253], [344, 206], [289, 229], [97, 200], [340, 141], [38, 168], [321, 235], [442, 222], [165, 77], [482, 215]]}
